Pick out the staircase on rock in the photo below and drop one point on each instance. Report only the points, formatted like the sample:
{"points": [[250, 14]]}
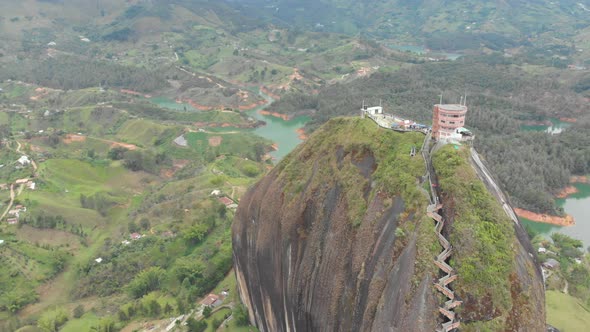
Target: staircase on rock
{"points": [[447, 309]]}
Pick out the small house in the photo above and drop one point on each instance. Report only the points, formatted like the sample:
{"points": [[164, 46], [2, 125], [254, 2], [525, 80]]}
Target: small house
{"points": [[225, 201], [215, 192], [12, 221], [24, 160], [542, 250], [98, 260], [551, 264], [211, 301], [135, 236], [14, 212]]}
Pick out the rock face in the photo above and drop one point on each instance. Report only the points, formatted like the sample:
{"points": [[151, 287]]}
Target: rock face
{"points": [[335, 238]]}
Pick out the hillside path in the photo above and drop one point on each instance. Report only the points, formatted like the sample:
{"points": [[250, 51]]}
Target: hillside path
{"points": [[9, 204]]}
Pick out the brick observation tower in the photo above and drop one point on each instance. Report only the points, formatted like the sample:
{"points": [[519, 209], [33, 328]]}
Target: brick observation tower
{"points": [[448, 121]]}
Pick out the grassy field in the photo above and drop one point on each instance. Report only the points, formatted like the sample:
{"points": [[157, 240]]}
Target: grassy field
{"points": [[566, 313], [84, 323], [141, 132]]}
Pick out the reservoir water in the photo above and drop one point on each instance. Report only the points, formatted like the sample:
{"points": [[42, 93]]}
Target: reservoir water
{"points": [[282, 132], [577, 205], [556, 127]]}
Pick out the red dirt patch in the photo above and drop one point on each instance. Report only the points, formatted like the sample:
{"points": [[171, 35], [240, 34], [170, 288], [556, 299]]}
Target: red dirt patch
{"points": [[567, 191], [570, 120], [285, 117], [124, 145], [36, 148], [70, 138], [579, 179], [135, 93], [215, 140], [177, 165], [545, 218], [301, 134]]}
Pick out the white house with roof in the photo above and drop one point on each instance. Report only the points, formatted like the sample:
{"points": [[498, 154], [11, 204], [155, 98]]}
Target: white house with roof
{"points": [[24, 160]]}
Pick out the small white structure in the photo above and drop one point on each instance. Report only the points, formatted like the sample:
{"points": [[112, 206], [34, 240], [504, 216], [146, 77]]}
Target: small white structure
{"points": [[373, 110], [578, 261], [86, 40], [51, 43], [181, 141], [1, 241], [98, 260], [215, 192], [24, 160], [542, 250], [31, 185]]}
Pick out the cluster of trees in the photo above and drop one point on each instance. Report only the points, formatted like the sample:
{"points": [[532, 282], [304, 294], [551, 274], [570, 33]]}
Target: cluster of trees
{"points": [[53, 222], [52, 320], [100, 201], [532, 166], [466, 40], [70, 73], [139, 160]]}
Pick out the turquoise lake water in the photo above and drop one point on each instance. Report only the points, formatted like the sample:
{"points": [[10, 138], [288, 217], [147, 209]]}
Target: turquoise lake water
{"points": [[556, 127], [282, 132], [577, 205]]}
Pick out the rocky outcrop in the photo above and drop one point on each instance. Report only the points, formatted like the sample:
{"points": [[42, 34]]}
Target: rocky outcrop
{"points": [[336, 237]]}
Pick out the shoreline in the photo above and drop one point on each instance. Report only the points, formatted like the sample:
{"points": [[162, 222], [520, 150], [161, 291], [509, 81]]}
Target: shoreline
{"points": [[301, 134], [567, 220], [567, 191], [579, 179], [569, 120], [248, 125], [285, 117]]}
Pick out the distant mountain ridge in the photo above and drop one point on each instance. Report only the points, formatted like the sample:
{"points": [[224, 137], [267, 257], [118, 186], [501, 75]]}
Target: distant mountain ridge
{"points": [[432, 20], [439, 24]]}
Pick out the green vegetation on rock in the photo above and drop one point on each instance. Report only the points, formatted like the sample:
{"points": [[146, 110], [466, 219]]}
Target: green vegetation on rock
{"points": [[481, 233], [368, 146]]}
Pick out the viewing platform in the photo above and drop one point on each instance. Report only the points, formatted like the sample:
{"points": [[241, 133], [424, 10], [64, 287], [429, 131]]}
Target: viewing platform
{"points": [[390, 121]]}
